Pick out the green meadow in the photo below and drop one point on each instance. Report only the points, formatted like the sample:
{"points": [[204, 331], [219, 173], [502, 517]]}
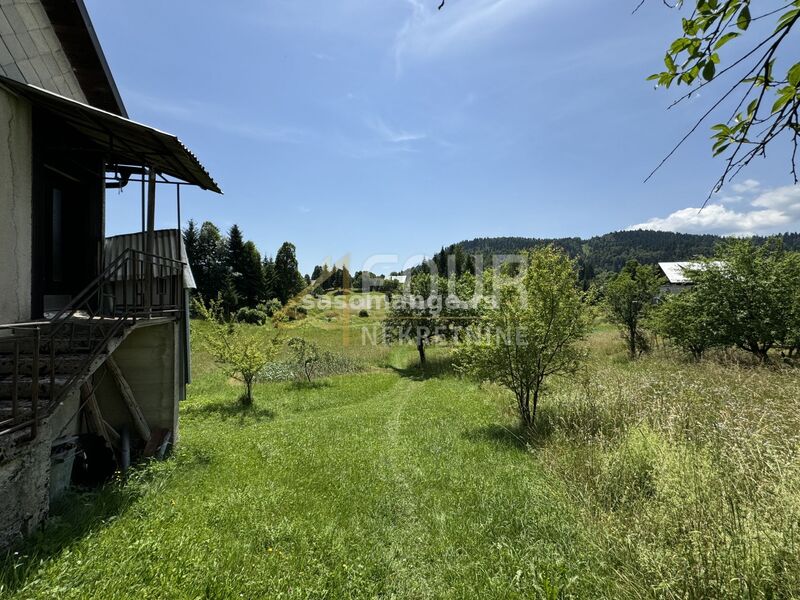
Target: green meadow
{"points": [[658, 478]]}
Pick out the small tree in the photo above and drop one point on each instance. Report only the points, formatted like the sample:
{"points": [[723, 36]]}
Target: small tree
{"points": [[686, 320], [629, 298], [233, 346], [430, 308], [415, 315], [530, 332], [305, 354], [751, 290]]}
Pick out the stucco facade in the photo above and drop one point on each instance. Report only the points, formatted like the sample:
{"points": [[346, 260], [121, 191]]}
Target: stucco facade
{"points": [[16, 148]]}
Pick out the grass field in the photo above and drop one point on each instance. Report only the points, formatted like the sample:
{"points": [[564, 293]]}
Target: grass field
{"points": [[659, 478]]}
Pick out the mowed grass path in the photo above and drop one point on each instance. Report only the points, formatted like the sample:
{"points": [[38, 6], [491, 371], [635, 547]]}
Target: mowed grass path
{"points": [[383, 484]]}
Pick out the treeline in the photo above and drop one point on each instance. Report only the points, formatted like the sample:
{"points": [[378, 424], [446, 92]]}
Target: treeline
{"points": [[609, 253], [232, 270], [326, 279]]}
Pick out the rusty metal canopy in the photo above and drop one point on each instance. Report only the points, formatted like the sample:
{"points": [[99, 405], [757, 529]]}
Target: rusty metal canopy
{"points": [[120, 140], [167, 243]]}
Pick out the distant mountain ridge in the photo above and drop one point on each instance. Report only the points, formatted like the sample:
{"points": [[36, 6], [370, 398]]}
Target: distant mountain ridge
{"points": [[610, 252]]}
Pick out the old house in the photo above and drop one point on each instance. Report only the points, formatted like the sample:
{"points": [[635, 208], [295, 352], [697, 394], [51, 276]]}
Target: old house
{"points": [[679, 275], [93, 332]]}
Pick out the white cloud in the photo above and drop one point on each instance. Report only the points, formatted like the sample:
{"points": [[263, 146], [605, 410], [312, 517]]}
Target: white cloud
{"points": [[429, 32], [748, 185], [769, 212], [391, 135]]}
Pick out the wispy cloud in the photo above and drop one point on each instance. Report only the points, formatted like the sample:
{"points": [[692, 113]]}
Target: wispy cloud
{"points": [[392, 135], [768, 211], [209, 115], [429, 32]]}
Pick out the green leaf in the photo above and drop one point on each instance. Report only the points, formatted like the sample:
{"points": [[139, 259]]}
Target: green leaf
{"points": [[780, 103], [743, 22], [709, 70], [725, 39], [670, 64], [721, 149], [786, 18], [679, 45], [794, 75]]}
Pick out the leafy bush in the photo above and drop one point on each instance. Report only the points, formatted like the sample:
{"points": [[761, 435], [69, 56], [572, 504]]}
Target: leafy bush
{"points": [[253, 316], [686, 320], [270, 307]]}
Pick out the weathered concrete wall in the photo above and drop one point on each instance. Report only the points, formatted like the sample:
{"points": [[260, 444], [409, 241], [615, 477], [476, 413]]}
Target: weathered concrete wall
{"points": [[148, 359], [24, 486], [16, 214], [31, 52]]}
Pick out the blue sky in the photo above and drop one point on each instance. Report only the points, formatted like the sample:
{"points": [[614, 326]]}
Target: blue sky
{"points": [[386, 127]]}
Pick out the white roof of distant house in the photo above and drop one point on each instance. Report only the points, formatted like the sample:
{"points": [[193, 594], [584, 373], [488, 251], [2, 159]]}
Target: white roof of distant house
{"points": [[398, 278], [676, 272]]}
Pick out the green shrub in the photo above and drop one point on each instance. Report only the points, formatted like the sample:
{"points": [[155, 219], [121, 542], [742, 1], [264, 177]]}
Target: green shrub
{"points": [[253, 316], [270, 307]]}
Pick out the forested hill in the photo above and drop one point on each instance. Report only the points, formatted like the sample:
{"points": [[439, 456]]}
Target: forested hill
{"points": [[611, 251]]}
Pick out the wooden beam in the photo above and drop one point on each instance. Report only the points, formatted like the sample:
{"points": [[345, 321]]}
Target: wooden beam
{"points": [[93, 410], [130, 401]]}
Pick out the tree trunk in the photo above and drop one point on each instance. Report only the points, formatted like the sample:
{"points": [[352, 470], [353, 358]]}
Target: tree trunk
{"points": [[523, 399], [421, 350], [632, 342], [247, 399], [535, 404]]}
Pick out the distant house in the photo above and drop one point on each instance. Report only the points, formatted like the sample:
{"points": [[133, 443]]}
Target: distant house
{"points": [[678, 275], [401, 279], [93, 345]]}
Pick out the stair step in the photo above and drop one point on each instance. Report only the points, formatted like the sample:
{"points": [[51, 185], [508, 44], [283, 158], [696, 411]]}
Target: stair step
{"points": [[24, 407], [25, 387], [64, 363]]}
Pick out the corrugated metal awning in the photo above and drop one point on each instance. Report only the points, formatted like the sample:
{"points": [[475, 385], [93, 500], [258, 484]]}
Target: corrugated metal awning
{"points": [[120, 140], [167, 243]]}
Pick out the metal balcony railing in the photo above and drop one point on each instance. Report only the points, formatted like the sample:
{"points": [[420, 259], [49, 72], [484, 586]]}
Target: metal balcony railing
{"points": [[40, 362]]}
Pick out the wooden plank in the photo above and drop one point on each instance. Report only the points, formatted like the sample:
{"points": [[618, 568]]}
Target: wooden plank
{"points": [[93, 410], [130, 401]]}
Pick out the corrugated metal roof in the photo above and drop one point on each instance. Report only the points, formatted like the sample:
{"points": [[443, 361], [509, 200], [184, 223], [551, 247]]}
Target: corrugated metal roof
{"points": [[118, 139], [168, 243], [676, 272]]}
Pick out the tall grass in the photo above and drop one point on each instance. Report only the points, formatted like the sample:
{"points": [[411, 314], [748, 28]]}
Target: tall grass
{"points": [[689, 471]]}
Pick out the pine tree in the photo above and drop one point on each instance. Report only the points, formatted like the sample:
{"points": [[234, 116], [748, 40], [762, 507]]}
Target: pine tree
{"points": [[289, 281], [235, 255], [250, 288], [270, 283], [209, 264], [191, 241]]}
